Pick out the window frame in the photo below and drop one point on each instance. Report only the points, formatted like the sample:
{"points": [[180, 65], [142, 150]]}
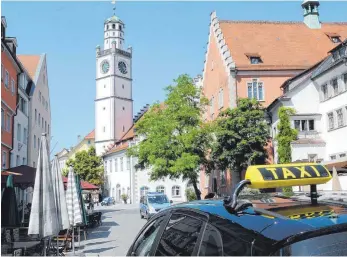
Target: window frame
{"points": [[7, 79], [8, 122], [335, 90], [165, 215], [174, 195], [253, 87], [333, 120], [4, 160], [339, 114], [162, 187], [13, 87], [3, 119]]}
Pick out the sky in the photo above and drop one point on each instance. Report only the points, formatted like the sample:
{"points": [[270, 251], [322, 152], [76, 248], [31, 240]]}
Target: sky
{"points": [[168, 39]]}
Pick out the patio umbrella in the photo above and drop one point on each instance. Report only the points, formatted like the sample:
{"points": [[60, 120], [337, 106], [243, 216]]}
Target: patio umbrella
{"points": [[73, 204], [59, 192], [84, 212], [9, 208], [335, 181], [43, 217]]}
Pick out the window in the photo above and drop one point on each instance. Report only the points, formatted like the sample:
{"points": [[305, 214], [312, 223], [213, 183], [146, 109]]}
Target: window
{"points": [[221, 98], [160, 189], [121, 163], [304, 125], [212, 105], [8, 122], [35, 115], [211, 244], [145, 241], [176, 191], [255, 89], [339, 118], [24, 161], [344, 78], [4, 160], [34, 164], [116, 164], [43, 101], [123, 128], [342, 155], [38, 142], [223, 178], [45, 126], [123, 108], [325, 91], [111, 163], [180, 236], [17, 160], [2, 72], [40, 96], [2, 119], [335, 86], [24, 135], [46, 105], [333, 157], [331, 120], [19, 132], [335, 39], [6, 78], [120, 27], [34, 141], [255, 60], [105, 167], [48, 128], [13, 88], [144, 190], [39, 119], [113, 26], [128, 163], [42, 122]]}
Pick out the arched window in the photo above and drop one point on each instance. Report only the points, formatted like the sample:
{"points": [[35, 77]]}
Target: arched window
{"points": [[107, 26], [144, 190], [113, 26], [176, 191], [160, 189]]}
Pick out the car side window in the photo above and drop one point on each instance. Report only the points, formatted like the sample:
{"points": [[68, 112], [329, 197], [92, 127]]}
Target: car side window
{"points": [[144, 242], [180, 236], [212, 244]]}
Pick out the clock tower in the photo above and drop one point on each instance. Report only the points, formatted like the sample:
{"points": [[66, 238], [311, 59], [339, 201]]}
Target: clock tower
{"points": [[113, 102]]}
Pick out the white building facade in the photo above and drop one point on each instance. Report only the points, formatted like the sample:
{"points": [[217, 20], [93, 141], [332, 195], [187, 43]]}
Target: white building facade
{"points": [[121, 177], [39, 105], [319, 97], [20, 149], [113, 103]]}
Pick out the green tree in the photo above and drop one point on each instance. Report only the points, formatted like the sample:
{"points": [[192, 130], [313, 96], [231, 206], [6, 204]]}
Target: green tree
{"points": [[286, 134], [88, 165], [176, 141], [241, 137]]}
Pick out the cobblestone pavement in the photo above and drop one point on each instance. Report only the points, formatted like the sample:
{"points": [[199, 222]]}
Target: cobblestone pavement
{"points": [[120, 225]]}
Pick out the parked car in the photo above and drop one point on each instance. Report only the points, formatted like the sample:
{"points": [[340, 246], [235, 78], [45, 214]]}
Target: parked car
{"points": [[152, 203], [108, 201]]}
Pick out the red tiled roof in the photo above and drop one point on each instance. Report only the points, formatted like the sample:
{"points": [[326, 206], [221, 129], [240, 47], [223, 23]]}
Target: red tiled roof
{"points": [[281, 45], [84, 184], [30, 63], [91, 135], [118, 148]]}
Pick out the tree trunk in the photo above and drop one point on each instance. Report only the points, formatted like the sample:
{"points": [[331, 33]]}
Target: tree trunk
{"points": [[196, 189]]}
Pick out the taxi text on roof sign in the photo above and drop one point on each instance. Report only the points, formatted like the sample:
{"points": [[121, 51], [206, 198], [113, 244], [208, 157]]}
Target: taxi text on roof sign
{"points": [[272, 176]]}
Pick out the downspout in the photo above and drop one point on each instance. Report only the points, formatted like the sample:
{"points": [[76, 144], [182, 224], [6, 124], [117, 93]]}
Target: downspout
{"points": [[15, 114]]}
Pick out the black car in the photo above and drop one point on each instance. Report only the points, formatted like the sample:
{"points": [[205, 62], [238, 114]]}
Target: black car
{"points": [[266, 225]]}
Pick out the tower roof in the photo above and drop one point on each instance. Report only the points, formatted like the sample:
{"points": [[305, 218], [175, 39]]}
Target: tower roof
{"points": [[114, 18]]}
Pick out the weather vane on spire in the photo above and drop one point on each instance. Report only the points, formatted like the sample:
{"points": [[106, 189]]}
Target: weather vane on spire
{"points": [[114, 6]]}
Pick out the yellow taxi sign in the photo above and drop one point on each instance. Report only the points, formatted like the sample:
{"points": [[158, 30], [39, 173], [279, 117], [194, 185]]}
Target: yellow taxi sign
{"points": [[283, 175]]}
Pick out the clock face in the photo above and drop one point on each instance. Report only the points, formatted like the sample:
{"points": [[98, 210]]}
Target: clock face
{"points": [[105, 66], [122, 67]]}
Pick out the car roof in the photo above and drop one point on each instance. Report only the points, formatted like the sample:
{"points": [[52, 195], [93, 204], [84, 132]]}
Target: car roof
{"points": [[278, 219]]}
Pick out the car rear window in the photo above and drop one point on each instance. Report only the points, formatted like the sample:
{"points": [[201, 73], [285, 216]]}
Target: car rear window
{"points": [[327, 245]]}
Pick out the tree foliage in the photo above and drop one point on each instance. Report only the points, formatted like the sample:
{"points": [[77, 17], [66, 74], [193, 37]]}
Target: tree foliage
{"points": [[88, 166], [241, 138], [286, 134], [175, 139]]}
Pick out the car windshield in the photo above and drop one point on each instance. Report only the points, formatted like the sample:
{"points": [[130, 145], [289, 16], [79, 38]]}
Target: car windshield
{"points": [[159, 199], [327, 245]]}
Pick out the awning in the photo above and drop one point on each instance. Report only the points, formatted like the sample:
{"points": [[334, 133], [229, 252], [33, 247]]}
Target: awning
{"points": [[339, 163], [25, 176], [84, 185]]}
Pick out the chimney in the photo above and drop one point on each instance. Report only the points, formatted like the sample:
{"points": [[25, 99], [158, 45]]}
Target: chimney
{"points": [[311, 14]]}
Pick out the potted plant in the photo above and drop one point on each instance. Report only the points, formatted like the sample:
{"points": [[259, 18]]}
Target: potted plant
{"points": [[125, 198]]}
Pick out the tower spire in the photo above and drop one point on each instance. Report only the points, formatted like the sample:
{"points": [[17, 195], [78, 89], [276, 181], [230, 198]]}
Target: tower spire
{"points": [[114, 6]]}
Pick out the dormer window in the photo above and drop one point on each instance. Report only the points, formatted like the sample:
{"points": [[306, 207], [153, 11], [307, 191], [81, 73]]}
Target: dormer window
{"points": [[254, 58], [334, 37]]}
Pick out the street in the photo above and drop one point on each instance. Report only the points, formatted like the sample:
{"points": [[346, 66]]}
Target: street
{"points": [[120, 225]]}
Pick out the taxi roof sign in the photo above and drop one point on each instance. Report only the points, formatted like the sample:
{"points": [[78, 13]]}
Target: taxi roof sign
{"points": [[284, 175]]}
